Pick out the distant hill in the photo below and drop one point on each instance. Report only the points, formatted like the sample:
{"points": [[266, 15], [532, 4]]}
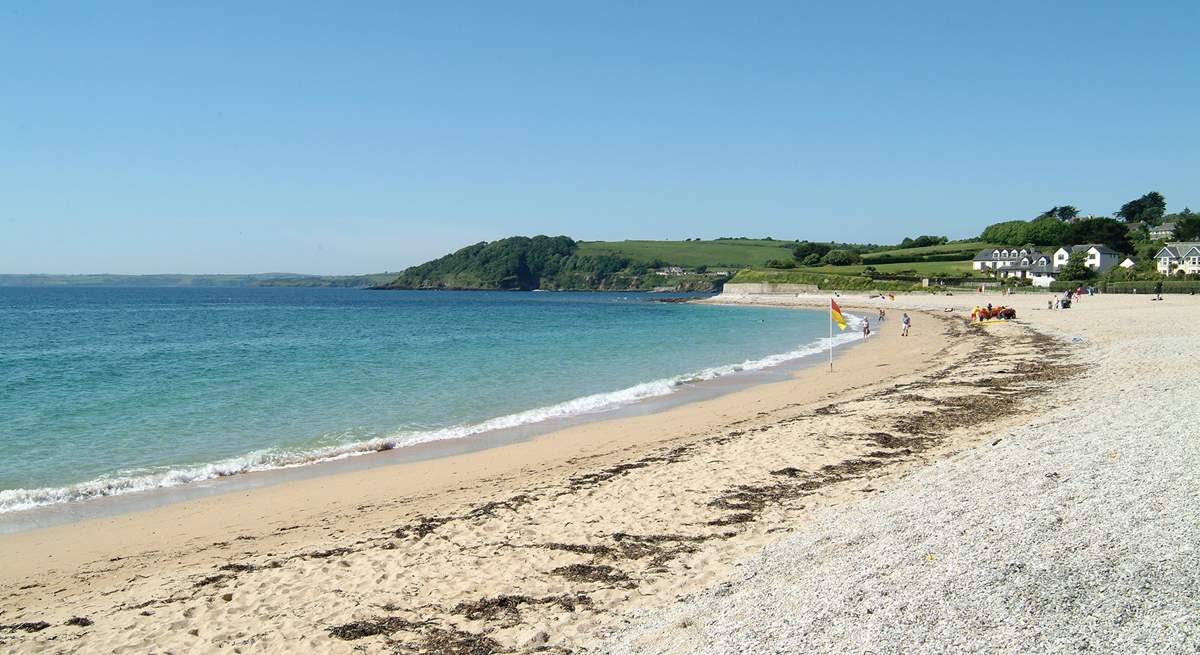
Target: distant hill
{"points": [[561, 263], [717, 253], [343, 281], [171, 280]]}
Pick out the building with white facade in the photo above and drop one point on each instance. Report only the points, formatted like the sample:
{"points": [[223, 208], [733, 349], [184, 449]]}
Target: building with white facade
{"points": [[1179, 256], [1037, 267], [998, 258], [1164, 231], [1100, 257]]}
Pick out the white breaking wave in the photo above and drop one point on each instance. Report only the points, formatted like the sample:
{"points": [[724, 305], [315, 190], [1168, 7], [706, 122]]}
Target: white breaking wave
{"points": [[14, 500]]}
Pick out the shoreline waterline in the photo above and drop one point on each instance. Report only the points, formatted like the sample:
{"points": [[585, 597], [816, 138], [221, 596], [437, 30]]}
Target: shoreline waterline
{"points": [[673, 504], [22, 509], [647, 474]]}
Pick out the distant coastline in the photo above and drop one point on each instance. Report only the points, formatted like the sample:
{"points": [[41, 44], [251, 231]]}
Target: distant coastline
{"points": [[186, 280]]}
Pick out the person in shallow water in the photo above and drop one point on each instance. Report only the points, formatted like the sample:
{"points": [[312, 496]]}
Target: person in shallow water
{"points": [[866, 327]]}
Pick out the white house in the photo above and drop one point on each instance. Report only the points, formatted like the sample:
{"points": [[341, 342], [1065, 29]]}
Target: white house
{"points": [[1128, 262], [1100, 257], [1037, 267], [1164, 231], [1026, 263], [997, 258], [1179, 256]]}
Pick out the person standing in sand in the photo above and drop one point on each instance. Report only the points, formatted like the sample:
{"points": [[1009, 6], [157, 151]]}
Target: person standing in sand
{"points": [[905, 322]]}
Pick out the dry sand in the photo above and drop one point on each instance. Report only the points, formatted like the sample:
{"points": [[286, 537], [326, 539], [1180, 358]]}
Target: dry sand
{"points": [[549, 544], [1075, 528]]}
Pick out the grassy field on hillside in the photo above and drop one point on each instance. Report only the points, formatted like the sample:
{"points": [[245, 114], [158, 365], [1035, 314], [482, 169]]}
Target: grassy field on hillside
{"points": [[966, 246], [821, 279], [922, 269], [754, 253], [730, 253]]}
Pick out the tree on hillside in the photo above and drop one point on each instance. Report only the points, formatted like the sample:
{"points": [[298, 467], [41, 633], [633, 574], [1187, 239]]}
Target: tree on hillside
{"points": [[841, 258], [1064, 213], [1045, 231], [1107, 231], [1076, 267], [923, 241], [1147, 209], [1138, 232], [1067, 212], [1187, 225], [1007, 233], [806, 248]]}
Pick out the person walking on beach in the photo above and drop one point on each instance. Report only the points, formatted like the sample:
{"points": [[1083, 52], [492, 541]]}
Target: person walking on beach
{"points": [[905, 322], [866, 327], [882, 314]]}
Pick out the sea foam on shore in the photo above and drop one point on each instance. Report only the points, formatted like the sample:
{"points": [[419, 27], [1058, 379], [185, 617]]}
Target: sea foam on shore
{"points": [[13, 500]]}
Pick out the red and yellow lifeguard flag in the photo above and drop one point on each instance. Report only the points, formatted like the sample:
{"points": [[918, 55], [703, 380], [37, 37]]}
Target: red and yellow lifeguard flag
{"points": [[836, 313]]}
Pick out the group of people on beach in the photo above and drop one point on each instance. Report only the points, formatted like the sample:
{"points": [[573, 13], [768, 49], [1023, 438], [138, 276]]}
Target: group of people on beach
{"points": [[1069, 297], [905, 322], [990, 312]]}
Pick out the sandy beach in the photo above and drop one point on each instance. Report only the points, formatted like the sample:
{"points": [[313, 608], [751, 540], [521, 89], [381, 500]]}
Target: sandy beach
{"points": [[1071, 527], [654, 533]]}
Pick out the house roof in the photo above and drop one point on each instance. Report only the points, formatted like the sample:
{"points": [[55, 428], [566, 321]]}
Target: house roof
{"points": [[1173, 250], [1165, 227], [1103, 249], [985, 255]]}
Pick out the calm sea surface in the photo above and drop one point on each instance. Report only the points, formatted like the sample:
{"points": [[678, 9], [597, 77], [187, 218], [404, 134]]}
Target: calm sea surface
{"points": [[110, 390]]}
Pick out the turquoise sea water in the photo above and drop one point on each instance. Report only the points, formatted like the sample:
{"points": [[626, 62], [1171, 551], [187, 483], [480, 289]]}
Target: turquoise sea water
{"points": [[111, 390]]}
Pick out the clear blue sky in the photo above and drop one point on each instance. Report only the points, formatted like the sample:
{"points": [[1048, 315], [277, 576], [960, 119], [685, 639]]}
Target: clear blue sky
{"points": [[143, 137]]}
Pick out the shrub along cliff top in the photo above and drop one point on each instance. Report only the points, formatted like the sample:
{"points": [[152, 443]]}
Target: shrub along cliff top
{"points": [[513, 263]]}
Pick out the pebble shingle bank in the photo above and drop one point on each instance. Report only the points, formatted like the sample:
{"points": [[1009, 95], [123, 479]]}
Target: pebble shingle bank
{"points": [[1077, 532]]}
